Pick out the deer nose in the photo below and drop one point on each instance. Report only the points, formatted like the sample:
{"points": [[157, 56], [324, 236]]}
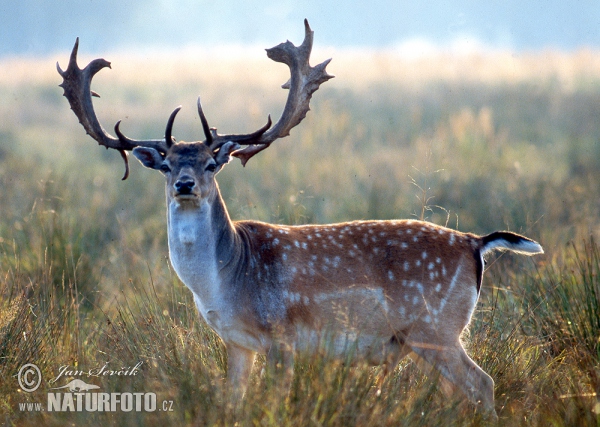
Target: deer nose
{"points": [[184, 185]]}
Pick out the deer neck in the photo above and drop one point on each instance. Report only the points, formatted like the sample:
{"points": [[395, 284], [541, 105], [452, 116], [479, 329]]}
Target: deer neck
{"points": [[202, 245]]}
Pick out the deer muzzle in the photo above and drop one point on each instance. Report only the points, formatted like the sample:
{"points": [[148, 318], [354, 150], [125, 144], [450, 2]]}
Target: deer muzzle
{"points": [[184, 186]]}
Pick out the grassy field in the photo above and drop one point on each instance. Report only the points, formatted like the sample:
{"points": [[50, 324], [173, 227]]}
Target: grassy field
{"points": [[478, 143]]}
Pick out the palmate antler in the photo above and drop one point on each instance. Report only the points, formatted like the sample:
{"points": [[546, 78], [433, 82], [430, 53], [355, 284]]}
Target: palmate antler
{"points": [[304, 81], [76, 84]]}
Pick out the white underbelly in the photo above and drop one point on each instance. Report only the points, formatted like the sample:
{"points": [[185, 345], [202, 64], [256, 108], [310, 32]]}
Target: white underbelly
{"points": [[342, 344]]}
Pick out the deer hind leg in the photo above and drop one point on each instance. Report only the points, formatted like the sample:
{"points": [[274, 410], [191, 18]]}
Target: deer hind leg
{"points": [[239, 365], [447, 387], [453, 363], [394, 351]]}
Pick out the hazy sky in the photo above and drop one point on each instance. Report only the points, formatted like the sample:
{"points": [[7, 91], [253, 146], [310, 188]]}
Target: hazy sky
{"points": [[47, 26]]}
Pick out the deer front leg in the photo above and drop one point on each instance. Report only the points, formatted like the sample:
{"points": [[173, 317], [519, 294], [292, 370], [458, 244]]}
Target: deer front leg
{"points": [[239, 365]]}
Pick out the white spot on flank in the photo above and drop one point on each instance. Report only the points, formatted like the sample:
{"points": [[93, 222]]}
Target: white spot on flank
{"points": [[418, 263], [284, 256], [452, 238], [390, 275], [406, 266], [438, 260], [430, 266], [424, 255], [309, 237], [305, 300], [415, 300], [296, 243], [438, 287], [304, 245], [275, 241], [404, 245]]}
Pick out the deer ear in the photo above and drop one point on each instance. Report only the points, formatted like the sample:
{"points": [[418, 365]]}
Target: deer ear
{"points": [[149, 157], [223, 156]]}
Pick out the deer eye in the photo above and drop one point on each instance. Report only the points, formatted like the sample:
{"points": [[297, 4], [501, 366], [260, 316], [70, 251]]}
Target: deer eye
{"points": [[165, 168], [211, 167]]}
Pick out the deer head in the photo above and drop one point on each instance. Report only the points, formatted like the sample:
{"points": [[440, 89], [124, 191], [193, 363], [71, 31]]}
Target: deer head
{"points": [[161, 153]]}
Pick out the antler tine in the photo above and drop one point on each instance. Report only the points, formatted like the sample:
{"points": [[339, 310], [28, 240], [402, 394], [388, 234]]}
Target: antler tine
{"points": [[304, 81], [205, 127], [76, 84], [169, 129]]}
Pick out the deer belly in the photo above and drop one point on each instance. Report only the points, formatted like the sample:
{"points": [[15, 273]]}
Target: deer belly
{"points": [[343, 344], [352, 320]]}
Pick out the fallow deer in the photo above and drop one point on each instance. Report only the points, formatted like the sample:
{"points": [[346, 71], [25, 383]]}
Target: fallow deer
{"points": [[384, 289]]}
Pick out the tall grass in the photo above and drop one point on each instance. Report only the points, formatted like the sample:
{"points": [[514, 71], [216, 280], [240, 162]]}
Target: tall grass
{"points": [[479, 144]]}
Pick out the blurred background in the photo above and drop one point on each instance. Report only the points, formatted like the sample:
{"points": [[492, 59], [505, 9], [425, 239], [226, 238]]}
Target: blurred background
{"points": [[34, 27]]}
